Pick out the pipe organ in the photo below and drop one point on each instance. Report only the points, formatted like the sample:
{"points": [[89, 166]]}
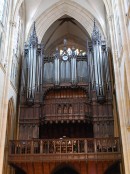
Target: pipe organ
{"points": [[61, 92], [99, 65], [33, 71], [65, 68]]}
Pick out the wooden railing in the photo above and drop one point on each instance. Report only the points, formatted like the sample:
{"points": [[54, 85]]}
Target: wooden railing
{"points": [[64, 146]]}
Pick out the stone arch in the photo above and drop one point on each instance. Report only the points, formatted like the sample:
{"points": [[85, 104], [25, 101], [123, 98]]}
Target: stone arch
{"points": [[45, 15], [19, 8], [10, 115], [72, 9], [9, 135]]}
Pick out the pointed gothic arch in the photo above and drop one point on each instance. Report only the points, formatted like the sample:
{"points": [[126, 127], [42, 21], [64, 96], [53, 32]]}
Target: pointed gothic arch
{"points": [[72, 9], [9, 134]]}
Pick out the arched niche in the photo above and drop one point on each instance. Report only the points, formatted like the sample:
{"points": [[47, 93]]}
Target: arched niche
{"points": [[114, 168], [65, 169], [9, 135]]}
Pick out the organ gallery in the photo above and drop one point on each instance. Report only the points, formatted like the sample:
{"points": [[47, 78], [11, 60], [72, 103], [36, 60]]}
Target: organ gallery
{"points": [[66, 109]]}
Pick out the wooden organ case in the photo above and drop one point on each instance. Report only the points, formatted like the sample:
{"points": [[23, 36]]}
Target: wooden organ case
{"points": [[66, 94], [66, 105]]}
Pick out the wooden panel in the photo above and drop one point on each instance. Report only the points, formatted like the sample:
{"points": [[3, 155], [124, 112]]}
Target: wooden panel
{"points": [[99, 167], [92, 167], [30, 169], [46, 168], [83, 169], [76, 165], [38, 168], [105, 165], [52, 166]]}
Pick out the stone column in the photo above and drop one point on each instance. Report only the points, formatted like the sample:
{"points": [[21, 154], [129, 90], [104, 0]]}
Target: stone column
{"points": [[4, 105], [120, 98]]}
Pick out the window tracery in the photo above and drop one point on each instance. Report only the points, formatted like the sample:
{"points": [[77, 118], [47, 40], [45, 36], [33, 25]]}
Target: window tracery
{"points": [[17, 38], [4, 8]]}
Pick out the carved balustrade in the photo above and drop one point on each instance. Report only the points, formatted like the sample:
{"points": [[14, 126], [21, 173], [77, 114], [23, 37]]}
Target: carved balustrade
{"points": [[63, 145]]}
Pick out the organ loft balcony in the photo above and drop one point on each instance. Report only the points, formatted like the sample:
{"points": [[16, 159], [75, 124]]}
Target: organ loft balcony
{"points": [[64, 149], [66, 127]]}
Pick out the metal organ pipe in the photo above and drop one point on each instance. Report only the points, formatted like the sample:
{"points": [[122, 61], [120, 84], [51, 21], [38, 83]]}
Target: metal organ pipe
{"points": [[62, 68], [24, 74], [91, 68], [39, 72], [67, 71], [32, 71], [41, 67], [73, 67], [32, 65], [106, 67], [98, 69], [98, 63], [57, 67]]}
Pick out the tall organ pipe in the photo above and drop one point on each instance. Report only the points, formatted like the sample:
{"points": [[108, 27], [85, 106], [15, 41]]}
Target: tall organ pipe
{"points": [[91, 68], [98, 63], [33, 70], [73, 67], [24, 69], [57, 67], [39, 67], [106, 67], [32, 59]]}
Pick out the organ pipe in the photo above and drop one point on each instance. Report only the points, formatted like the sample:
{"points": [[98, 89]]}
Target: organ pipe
{"points": [[57, 67], [32, 59], [94, 68], [32, 66], [73, 67], [97, 62]]}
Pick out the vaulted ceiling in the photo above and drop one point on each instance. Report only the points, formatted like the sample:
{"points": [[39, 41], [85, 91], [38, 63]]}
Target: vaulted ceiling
{"points": [[58, 19], [68, 28]]}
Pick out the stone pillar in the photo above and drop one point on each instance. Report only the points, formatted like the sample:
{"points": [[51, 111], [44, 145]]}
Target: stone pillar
{"points": [[4, 105], [120, 97]]}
